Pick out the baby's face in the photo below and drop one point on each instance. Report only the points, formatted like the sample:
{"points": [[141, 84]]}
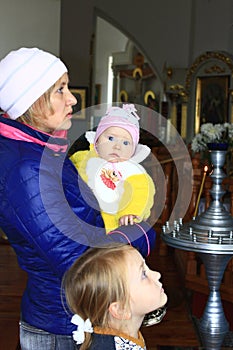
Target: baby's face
{"points": [[115, 145]]}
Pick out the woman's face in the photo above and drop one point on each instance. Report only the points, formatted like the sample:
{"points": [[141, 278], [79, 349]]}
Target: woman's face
{"points": [[146, 292], [61, 100]]}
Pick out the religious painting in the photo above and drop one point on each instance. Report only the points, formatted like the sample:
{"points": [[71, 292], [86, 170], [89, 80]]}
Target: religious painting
{"points": [[211, 100]]}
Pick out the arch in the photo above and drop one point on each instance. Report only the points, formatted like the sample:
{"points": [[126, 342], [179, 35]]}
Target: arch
{"points": [[100, 13], [202, 60]]}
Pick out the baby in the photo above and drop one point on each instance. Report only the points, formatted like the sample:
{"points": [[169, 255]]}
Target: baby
{"points": [[111, 168]]}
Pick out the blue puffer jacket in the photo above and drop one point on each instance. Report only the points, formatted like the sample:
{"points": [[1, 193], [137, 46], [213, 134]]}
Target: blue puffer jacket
{"points": [[50, 217]]}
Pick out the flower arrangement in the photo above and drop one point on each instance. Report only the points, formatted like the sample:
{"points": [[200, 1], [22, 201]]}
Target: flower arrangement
{"points": [[212, 133]]}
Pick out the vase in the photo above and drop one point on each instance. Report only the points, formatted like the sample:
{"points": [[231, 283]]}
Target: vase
{"points": [[215, 146]]}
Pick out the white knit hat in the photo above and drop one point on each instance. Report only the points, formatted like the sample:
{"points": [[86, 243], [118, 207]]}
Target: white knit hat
{"points": [[25, 75]]}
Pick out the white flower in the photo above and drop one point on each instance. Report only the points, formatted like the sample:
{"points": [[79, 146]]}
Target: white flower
{"points": [[212, 133], [198, 143], [230, 130]]}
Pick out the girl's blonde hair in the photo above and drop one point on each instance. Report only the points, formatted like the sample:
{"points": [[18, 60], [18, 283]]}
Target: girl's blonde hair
{"points": [[97, 279]]}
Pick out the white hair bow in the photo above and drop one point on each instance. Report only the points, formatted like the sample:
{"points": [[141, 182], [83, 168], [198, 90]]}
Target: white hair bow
{"points": [[83, 326]]}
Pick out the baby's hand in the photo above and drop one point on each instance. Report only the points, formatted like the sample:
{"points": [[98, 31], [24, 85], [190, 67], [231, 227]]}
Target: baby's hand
{"points": [[128, 219]]}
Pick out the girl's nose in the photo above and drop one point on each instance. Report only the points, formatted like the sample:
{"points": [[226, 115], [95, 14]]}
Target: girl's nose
{"points": [[155, 275]]}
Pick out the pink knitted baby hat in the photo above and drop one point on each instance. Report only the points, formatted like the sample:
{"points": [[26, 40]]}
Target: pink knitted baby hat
{"points": [[26, 74], [125, 117]]}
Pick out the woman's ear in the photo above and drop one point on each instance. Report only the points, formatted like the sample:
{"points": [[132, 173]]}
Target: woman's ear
{"points": [[117, 311]]}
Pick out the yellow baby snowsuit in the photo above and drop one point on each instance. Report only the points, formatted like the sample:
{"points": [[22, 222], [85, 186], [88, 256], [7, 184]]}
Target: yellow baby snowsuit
{"points": [[122, 188]]}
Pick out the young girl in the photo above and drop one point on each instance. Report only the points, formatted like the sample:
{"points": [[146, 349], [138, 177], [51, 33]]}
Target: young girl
{"points": [[110, 290], [111, 168]]}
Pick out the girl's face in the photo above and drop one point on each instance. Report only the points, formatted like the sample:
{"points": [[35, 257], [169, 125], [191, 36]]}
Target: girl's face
{"points": [[146, 292], [61, 101], [115, 145]]}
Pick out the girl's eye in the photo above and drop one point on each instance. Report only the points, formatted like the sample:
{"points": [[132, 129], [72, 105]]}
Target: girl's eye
{"points": [[126, 143], [111, 138], [144, 274]]}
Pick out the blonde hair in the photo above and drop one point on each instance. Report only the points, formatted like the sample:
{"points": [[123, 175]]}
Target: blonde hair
{"points": [[97, 279], [33, 115]]}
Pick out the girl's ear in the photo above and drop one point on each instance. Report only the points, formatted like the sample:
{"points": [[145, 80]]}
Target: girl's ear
{"points": [[117, 311]]}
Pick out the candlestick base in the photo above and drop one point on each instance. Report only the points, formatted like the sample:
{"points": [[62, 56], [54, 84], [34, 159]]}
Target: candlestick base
{"points": [[211, 236], [227, 341]]}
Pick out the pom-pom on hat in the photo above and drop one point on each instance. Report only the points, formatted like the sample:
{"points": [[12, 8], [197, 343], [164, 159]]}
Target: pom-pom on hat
{"points": [[125, 117], [26, 74]]}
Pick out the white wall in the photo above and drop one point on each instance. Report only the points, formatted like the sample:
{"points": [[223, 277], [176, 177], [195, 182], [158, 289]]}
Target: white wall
{"points": [[213, 26], [164, 30], [30, 23], [161, 29], [108, 40], [176, 32]]}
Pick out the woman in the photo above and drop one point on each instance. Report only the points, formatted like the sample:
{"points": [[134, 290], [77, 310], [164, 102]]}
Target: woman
{"points": [[47, 212]]}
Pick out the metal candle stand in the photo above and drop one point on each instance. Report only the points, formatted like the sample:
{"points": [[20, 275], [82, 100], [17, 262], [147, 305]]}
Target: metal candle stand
{"points": [[211, 236]]}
